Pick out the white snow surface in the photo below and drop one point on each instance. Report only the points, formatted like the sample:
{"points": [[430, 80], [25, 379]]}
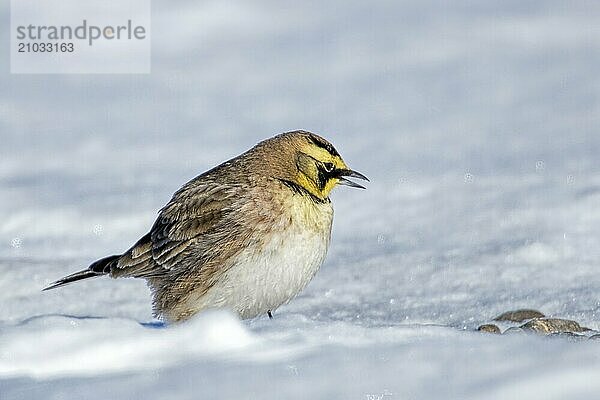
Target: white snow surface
{"points": [[477, 123]]}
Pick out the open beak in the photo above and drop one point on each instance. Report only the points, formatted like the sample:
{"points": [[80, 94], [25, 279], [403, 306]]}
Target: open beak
{"points": [[342, 173]]}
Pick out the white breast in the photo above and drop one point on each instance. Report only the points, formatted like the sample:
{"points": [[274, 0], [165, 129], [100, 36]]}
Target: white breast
{"points": [[263, 280]]}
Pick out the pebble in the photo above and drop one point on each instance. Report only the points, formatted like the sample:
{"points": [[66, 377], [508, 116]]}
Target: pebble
{"points": [[489, 328], [519, 315], [553, 325]]}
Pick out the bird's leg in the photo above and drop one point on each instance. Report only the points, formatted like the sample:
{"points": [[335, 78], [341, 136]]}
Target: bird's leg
{"points": [[269, 314]]}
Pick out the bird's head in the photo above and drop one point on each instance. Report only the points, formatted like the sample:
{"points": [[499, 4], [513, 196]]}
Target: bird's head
{"points": [[310, 162]]}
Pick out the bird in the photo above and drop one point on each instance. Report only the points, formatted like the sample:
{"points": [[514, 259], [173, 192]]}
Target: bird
{"points": [[248, 235]]}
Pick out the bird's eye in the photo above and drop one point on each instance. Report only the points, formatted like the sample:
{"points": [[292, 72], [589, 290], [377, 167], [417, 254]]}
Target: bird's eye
{"points": [[328, 166]]}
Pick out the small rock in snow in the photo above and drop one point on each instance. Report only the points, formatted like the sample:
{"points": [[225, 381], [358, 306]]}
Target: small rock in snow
{"points": [[553, 325], [489, 328], [519, 315]]}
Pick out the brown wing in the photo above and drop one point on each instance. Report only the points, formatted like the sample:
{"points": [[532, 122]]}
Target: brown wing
{"points": [[172, 244]]}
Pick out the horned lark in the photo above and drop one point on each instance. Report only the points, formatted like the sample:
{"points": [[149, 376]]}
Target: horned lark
{"points": [[248, 235]]}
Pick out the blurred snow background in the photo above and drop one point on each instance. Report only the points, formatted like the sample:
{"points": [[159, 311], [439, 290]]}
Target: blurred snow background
{"points": [[477, 123]]}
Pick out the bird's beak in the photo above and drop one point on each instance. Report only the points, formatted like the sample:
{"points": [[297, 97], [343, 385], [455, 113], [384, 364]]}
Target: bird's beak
{"points": [[342, 173]]}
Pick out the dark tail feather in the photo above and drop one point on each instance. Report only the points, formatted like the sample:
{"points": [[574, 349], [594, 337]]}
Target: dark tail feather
{"points": [[77, 276], [98, 268]]}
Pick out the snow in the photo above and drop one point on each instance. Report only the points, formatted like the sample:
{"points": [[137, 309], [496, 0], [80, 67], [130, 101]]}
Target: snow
{"points": [[476, 123]]}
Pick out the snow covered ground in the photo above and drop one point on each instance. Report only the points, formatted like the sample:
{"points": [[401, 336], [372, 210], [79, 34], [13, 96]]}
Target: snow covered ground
{"points": [[476, 122]]}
